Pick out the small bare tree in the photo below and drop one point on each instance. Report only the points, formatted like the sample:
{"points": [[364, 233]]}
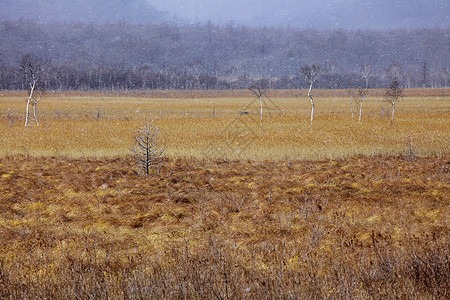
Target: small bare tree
{"points": [[36, 88], [311, 74], [259, 88], [361, 94], [393, 94], [148, 152]]}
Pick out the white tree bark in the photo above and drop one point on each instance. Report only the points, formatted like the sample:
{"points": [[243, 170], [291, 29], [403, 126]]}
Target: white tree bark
{"points": [[31, 69], [261, 106], [312, 102], [351, 105], [311, 75], [360, 110], [393, 94], [259, 92], [30, 97], [35, 112], [393, 110]]}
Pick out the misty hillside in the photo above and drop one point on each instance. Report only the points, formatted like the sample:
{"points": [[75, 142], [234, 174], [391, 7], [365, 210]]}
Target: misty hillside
{"points": [[257, 51], [98, 11], [317, 14], [305, 14], [386, 14], [199, 56]]}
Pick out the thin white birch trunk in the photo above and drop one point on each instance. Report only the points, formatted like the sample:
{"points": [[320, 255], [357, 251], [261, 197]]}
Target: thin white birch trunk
{"points": [[351, 105], [393, 110], [360, 111], [261, 106], [35, 113], [27, 113], [28, 103], [312, 102]]}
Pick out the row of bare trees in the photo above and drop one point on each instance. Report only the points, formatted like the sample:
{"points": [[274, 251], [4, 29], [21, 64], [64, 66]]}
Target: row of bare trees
{"points": [[188, 78], [312, 73], [34, 74], [392, 94]]}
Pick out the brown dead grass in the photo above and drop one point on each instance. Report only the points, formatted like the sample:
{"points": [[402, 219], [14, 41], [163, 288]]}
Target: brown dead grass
{"points": [[361, 227]]}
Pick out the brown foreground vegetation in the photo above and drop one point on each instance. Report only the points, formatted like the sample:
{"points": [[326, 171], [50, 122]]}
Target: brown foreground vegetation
{"points": [[359, 227]]}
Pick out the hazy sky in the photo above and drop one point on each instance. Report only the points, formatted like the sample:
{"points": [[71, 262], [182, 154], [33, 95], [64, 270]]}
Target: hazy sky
{"points": [[317, 14], [314, 13]]}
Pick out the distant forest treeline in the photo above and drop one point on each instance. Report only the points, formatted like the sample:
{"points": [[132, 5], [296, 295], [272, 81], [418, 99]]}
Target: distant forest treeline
{"points": [[80, 56]]}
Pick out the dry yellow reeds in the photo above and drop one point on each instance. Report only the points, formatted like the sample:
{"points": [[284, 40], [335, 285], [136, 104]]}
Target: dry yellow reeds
{"points": [[227, 128]]}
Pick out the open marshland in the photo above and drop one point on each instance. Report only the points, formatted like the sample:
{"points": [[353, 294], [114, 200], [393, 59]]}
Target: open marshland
{"points": [[96, 125], [241, 209]]}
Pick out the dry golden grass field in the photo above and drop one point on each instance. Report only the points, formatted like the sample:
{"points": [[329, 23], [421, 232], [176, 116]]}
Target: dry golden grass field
{"points": [[84, 125], [241, 210]]}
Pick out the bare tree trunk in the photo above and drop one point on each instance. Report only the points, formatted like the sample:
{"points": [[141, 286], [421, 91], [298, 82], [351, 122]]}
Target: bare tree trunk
{"points": [[360, 111], [28, 103], [312, 102], [261, 106], [393, 94], [259, 90], [32, 69], [351, 105], [311, 74], [27, 113], [35, 113], [393, 110]]}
